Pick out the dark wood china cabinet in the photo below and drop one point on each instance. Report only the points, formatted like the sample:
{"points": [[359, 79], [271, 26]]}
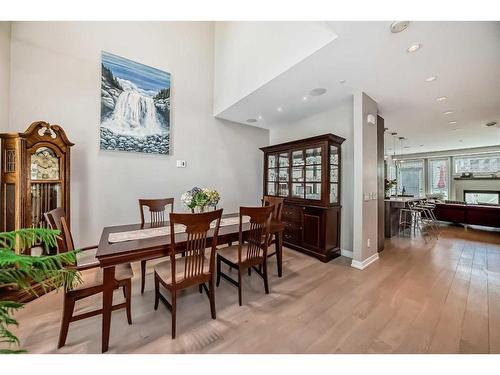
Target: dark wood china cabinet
{"points": [[306, 173]]}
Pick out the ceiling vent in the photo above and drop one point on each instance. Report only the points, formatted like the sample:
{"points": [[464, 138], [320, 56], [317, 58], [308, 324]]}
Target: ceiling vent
{"points": [[317, 91], [398, 26]]}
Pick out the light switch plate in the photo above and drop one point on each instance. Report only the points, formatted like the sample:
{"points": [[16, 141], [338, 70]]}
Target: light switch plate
{"points": [[181, 164]]}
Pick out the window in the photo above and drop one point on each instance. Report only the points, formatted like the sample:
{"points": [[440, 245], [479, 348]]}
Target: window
{"points": [[439, 177], [410, 177], [486, 164], [478, 197]]}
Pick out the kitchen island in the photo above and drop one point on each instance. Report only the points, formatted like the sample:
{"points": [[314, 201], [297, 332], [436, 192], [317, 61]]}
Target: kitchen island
{"points": [[392, 207]]}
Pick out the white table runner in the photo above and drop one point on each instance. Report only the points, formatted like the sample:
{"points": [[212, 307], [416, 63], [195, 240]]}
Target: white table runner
{"points": [[165, 231]]}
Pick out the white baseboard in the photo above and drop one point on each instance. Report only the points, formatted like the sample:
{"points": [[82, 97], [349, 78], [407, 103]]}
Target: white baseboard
{"points": [[365, 263], [346, 253]]}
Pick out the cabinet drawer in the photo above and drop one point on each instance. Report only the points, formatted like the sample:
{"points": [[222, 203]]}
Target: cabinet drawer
{"points": [[291, 236], [291, 213], [292, 226]]}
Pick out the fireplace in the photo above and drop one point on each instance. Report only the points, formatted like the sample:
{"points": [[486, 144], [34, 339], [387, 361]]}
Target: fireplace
{"points": [[482, 196]]}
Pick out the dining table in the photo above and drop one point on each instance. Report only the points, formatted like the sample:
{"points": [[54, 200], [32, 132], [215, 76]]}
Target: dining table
{"points": [[110, 254]]}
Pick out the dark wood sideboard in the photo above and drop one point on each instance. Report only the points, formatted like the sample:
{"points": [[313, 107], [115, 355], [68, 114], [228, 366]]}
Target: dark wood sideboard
{"points": [[307, 174], [471, 214]]}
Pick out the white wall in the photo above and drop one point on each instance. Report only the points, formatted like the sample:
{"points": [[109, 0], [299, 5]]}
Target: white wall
{"points": [[4, 74], [55, 76], [365, 182], [250, 54], [339, 121]]}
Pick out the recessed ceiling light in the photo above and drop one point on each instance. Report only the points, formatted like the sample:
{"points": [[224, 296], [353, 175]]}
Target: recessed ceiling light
{"points": [[279, 109], [421, 145], [452, 122], [317, 91], [447, 113], [398, 26], [460, 140], [342, 81], [414, 48], [406, 147], [455, 129], [430, 79], [260, 117], [493, 123], [304, 98], [441, 98], [251, 120]]}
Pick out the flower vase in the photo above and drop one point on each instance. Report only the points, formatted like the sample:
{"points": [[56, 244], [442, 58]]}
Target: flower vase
{"points": [[198, 209]]}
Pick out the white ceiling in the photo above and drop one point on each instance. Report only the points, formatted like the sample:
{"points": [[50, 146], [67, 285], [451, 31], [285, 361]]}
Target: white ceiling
{"points": [[464, 56]]}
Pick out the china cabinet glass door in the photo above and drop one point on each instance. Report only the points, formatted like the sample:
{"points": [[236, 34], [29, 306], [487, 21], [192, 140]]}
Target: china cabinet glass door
{"points": [[283, 174], [278, 174], [334, 175], [298, 174], [272, 174], [313, 173]]}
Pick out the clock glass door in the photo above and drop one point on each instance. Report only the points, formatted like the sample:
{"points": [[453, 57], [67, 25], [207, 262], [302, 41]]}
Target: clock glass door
{"points": [[45, 184]]}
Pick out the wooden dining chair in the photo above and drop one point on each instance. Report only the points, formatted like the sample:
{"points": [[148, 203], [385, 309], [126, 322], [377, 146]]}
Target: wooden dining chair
{"points": [[92, 284], [192, 269], [86, 256], [278, 209], [251, 250], [157, 209]]}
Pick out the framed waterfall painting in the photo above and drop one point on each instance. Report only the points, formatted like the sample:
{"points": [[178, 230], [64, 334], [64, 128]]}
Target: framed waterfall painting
{"points": [[135, 106]]}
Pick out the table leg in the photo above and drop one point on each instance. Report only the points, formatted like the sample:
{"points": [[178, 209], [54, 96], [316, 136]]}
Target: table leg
{"points": [[279, 252], [107, 304]]}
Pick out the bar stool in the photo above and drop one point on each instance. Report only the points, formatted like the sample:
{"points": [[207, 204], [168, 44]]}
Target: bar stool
{"points": [[423, 219], [427, 209], [405, 220]]}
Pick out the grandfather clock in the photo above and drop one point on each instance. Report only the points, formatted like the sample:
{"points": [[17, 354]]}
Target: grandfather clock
{"points": [[35, 175]]}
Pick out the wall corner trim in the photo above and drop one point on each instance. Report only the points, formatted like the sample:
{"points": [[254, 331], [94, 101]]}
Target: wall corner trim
{"points": [[346, 253], [365, 263]]}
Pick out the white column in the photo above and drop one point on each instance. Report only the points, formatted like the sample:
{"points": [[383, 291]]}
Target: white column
{"points": [[365, 181]]}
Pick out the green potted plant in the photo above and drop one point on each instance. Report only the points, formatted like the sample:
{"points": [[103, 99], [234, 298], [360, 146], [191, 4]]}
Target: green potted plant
{"points": [[25, 272], [389, 184]]}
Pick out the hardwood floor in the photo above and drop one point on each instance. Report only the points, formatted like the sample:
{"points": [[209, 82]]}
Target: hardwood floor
{"points": [[421, 297]]}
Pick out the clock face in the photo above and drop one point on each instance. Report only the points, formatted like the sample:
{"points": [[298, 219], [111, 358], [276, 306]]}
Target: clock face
{"points": [[44, 165]]}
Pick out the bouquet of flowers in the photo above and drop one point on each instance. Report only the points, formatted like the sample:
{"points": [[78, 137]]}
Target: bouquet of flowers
{"points": [[200, 198]]}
